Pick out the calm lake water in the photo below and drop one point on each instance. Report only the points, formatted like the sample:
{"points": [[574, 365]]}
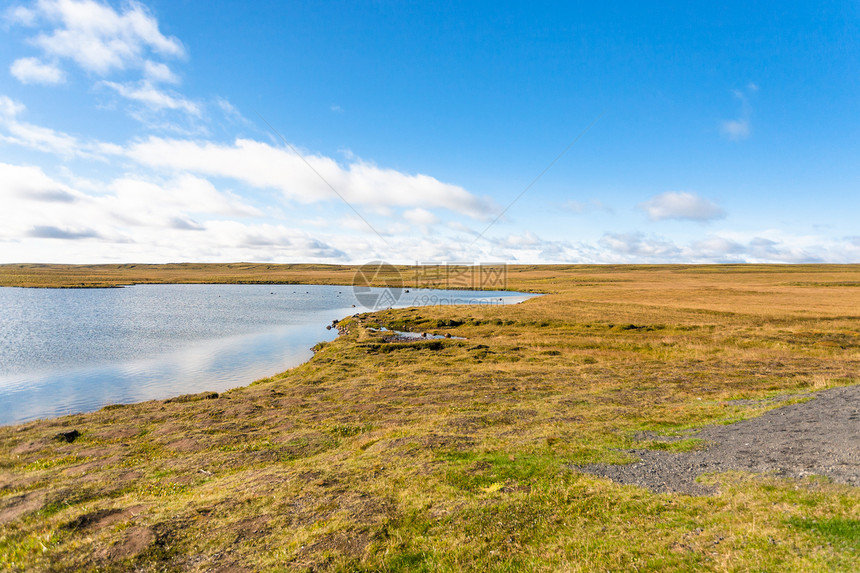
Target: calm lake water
{"points": [[65, 351]]}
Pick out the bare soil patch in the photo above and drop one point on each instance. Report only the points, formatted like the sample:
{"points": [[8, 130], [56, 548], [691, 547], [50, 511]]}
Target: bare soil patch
{"points": [[18, 506], [817, 437], [135, 542]]}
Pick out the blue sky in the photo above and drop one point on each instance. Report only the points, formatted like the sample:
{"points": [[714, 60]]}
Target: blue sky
{"points": [[137, 132]]}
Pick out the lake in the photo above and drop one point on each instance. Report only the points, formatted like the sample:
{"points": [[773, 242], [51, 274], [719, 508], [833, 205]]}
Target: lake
{"points": [[65, 351]]}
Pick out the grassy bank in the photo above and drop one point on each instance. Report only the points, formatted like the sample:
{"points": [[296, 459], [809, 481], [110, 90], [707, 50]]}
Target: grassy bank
{"points": [[88, 276], [454, 454]]}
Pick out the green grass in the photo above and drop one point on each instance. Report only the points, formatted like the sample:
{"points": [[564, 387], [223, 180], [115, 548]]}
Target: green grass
{"points": [[680, 446], [455, 455], [844, 533]]}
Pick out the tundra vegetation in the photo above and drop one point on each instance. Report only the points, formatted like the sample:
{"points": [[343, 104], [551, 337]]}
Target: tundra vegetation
{"points": [[456, 454]]}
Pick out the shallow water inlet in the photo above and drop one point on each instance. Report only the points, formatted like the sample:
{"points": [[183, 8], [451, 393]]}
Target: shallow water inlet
{"points": [[64, 351]]}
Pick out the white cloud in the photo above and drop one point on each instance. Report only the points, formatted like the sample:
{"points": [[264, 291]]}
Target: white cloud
{"points": [[28, 182], [460, 227], [739, 129], [9, 108], [98, 38], [528, 247], [33, 71], [527, 239], [45, 139], [189, 218], [766, 247], [736, 129], [102, 40], [33, 201], [681, 205], [639, 247], [73, 234], [230, 111], [264, 166], [145, 202], [420, 217], [775, 247], [22, 15], [125, 211], [41, 138], [715, 246], [159, 72], [152, 97]]}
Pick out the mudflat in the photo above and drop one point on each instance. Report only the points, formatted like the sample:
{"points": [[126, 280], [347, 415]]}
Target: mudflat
{"points": [[461, 453]]}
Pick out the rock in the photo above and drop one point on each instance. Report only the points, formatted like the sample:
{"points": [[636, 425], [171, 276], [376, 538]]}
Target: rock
{"points": [[67, 437]]}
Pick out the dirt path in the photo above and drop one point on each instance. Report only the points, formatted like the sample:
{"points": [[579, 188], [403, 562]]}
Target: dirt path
{"points": [[820, 436]]}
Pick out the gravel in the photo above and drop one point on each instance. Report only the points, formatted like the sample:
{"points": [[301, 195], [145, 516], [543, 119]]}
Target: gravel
{"points": [[817, 437]]}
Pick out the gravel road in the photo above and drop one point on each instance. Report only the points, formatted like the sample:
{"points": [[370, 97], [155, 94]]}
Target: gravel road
{"points": [[820, 436]]}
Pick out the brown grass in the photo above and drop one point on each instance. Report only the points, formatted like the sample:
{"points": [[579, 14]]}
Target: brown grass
{"points": [[453, 455]]}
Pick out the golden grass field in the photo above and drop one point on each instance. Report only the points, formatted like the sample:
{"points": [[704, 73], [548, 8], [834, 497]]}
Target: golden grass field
{"points": [[452, 455]]}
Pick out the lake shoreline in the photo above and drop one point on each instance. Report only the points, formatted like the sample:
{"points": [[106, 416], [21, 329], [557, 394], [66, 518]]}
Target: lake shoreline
{"points": [[178, 339]]}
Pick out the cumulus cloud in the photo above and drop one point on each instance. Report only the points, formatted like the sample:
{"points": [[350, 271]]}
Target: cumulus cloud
{"points": [[37, 205], [22, 15], [272, 238], [681, 205], [28, 182], [420, 217], [131, 219], [50, 232], [766, 247], [254, 163], [763, 249], [639, 246], [527, 239], [10, 108], [525, 247], [34, 71], [263, 166], [101, 40], [134, 220], [719, 247], [41, 138], [188, 217], [95, 36], [158, 72], [150, 202], [25, 134], [48, 195]]}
